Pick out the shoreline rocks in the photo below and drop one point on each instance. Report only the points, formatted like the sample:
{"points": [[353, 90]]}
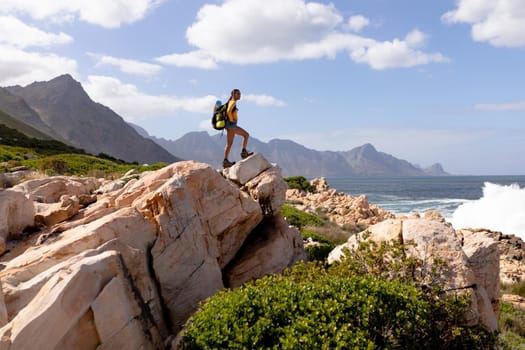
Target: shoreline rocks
{"points": [[339, 207]]}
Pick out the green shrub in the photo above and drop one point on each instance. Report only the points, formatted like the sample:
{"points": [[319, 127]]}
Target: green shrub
{"points": [[342, 306], [54, 166], [318, 252], [512, 326], [299, 183], [299, 218], [323, 313], [53, 158], [316, 237]]}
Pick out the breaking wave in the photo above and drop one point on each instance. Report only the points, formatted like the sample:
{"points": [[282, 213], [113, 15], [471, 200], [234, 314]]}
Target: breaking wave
{"points": [[501, 208]]}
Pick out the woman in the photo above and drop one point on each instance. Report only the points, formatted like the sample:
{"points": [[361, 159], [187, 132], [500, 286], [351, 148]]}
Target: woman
{"points": [[232, 129]]}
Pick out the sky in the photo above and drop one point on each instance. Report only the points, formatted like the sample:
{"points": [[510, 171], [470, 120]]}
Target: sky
{"points": [[425, 81]]}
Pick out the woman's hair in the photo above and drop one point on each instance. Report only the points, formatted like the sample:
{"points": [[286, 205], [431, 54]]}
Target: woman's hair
{"points": [[232, 93]]}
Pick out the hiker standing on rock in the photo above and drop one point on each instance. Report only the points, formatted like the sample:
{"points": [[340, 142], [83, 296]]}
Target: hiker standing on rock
{"points": [[232, 129]]}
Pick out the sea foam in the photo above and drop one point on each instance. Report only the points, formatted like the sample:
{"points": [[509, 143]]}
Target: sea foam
{"points": [[501, 208]]}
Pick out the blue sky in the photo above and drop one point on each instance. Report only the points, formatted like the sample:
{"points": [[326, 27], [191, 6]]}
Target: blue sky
{"points": [[426, 81]]}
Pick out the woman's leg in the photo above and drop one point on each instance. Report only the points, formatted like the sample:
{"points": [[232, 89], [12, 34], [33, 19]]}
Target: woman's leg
{"points": [[230, 134], [244, 134]]}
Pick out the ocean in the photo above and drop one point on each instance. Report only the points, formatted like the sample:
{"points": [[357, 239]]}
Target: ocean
{"points": [[492, 202]]}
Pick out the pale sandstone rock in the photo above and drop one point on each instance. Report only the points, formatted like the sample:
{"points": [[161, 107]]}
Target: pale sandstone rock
{"points": [[269, 190], [339, 207], [488, 317], [483, 257], [51, 214], [268, 250], [3, 309], [12, 178], [117, 318], [511, 253], [430, 239], [24, 275], [82, 335], [385, 231], [50, 189], [434, 239], [434, 215], [320, 184], [16, 213], [246, 169], [62, 301], [203, 221], [175, 230]]}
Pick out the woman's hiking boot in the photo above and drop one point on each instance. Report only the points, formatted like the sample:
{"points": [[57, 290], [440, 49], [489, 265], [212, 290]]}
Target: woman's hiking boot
{"points": [[245, 154], [226, 163]]}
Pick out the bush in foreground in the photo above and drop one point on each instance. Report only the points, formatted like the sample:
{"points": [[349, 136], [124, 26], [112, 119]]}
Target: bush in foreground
{"points": [[328, 313], [371, 300]]}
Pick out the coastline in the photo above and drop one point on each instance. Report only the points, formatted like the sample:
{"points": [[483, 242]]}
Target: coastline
{"points": [[490, 202]]}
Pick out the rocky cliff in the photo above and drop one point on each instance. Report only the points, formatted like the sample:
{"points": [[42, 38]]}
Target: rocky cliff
{"points": [[62, 109], [122, 264]]}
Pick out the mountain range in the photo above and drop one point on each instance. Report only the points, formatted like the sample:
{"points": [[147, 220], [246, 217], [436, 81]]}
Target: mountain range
{"points": [[60, 109], [295, 159]]}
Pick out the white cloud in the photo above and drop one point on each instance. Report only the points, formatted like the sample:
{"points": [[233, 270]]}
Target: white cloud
{"points": [[128, 66], [253, 31], [396, 53], [499, 22], [16, 33], [195, 59], [206, 125], [502, 107], [357, 23], [132, 104], [19, 67], [109, 14], [264, 100]]}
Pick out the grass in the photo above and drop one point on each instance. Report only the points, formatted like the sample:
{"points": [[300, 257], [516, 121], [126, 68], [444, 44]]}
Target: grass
{"points": [[52, 163], [319, 229]]}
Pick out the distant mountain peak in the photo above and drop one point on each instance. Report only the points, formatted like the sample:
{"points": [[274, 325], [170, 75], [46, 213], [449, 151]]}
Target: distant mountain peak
{"points": [[65, 77], [435, 170], [63, 106], [367, 148]]}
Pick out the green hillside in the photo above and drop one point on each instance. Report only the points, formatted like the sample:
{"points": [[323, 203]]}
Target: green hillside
{"points": [[28, 130], [56, 158]]}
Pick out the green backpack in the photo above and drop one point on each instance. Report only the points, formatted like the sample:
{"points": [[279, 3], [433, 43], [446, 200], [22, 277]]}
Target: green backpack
{"points": [[218, 120]]}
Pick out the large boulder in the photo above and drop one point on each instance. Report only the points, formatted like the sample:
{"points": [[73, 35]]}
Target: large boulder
{"points": [[87, 302], [271, 246], [49, 190], [473, 267], [128, 270], [16, 213]]}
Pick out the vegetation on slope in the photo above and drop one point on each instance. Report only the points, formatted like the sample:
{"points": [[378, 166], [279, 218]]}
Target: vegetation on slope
{"points": [[56, 158]]}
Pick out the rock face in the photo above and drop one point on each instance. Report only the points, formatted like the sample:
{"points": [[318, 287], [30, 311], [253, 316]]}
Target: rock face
{"points": [[471, 264], [339, 207], [126, 271], [62, 109]]}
